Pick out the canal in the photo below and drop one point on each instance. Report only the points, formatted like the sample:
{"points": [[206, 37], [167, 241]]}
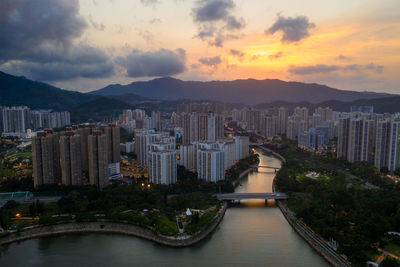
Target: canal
{"points": [[250, 234]]}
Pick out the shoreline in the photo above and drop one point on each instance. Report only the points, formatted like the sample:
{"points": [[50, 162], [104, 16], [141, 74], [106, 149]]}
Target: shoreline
{"points": [[108, 227], [331, 257]]}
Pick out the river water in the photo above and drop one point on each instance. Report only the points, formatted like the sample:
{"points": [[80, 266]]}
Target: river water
{"points": [[251, 234]]}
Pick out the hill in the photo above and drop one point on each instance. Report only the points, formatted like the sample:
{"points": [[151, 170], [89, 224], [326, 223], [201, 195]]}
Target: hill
{"points": [[37, 95], [248, 91]]}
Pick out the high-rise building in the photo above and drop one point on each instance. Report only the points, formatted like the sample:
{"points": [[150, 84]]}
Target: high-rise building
{"points": [[83, 134], [302, 112], [210, 165], [202, 127], [45, 158], [16, 119], [113, 147], [155, 119], [282, 120], [382, 138], [98, 159], [142, 141], [269, 125], [343, 137], [242, 147], [162, 167], [325, 113], [228, 147], [71, 159], [368, 141], [394, 146], [355, 140], [186, 156]]}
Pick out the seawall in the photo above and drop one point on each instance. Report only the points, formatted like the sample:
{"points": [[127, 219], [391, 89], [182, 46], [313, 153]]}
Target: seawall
{"points": [[108, 227]]}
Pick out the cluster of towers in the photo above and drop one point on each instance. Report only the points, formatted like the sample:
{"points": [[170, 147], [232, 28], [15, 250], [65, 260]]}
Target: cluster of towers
{"points": [[76, 156]]}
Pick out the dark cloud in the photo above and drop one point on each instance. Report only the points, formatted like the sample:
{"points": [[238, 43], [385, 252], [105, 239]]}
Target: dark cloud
{"points": [[211, 61], [276, 55], [233, 23], [293, 29], [216, 21], [25, 25], [37, 40], [237, 53], [78, 61], [158, 63], [324, 69], [212, 10]]}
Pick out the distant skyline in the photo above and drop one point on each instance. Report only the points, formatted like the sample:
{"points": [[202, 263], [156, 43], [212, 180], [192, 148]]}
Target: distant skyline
{"points": [[86, 45]]}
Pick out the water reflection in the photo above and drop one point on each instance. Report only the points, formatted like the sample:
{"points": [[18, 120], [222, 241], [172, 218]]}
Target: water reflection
{"points": [[251, 234]]}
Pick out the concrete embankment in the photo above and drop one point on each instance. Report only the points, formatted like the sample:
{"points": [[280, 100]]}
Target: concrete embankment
{"points": [[279, 156], [113, 228], [236, 182], [302, 230], [313, 240]]}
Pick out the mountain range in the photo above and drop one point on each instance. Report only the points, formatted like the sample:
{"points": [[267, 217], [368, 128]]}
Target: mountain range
{"points": [[248, 91], [165, 92], [16, 91]]}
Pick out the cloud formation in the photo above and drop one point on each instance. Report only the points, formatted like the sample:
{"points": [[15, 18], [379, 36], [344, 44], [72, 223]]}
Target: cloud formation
{"points": [[324, 69], [237, 53], [216, 21], [158, 63], [293, 29], [38, 41], [211, 61]]}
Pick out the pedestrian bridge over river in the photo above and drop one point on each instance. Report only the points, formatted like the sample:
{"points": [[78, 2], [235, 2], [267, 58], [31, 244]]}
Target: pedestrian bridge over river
{"points": [[244, 196]]}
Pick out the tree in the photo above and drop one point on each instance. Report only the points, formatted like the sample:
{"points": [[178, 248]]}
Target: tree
{"points": [[390, 262]]}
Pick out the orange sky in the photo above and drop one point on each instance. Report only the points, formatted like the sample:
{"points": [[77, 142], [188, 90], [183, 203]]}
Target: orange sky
{"points": [[347, 44]]}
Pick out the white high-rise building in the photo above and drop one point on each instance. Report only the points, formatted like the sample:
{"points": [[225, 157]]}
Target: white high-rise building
{"points": [[269, 126], [242, 147], [229, 149], [210, 165], [381, 143], [162, 167], [394, 146], [143, 139]]}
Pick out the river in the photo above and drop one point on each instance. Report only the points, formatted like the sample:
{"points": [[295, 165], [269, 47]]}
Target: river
{"points": [[250, 234]]}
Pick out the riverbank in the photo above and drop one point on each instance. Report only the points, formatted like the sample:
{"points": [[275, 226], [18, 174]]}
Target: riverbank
{"points": [[313, 240], [236, 182], [108, 227], [326, 252]]}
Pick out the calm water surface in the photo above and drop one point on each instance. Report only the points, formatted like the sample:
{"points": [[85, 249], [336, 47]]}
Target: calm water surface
{"points": [[249, 235]]}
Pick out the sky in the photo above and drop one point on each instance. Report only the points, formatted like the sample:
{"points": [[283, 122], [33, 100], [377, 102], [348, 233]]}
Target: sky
{"points": [[86, 45]]}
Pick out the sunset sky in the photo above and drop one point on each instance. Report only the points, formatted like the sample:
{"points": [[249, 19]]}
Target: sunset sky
{"points": [[88, 44]]}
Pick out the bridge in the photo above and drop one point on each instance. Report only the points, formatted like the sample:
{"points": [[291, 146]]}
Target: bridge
{"points": [[244, 196]]}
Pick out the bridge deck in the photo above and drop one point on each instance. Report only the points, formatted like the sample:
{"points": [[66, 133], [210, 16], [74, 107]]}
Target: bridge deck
{"points": [[243, 196]]}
